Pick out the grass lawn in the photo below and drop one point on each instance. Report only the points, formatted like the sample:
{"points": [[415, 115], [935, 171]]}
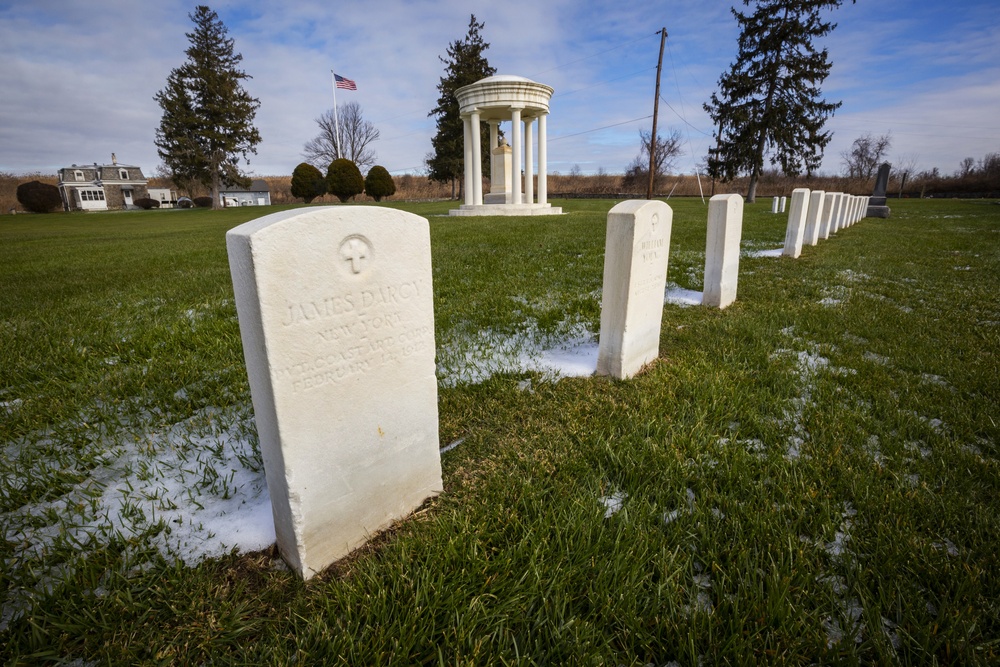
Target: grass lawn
{"points": [[809, 476]]}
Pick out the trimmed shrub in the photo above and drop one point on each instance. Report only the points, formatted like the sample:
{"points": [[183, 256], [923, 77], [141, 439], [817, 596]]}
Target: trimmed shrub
{"points": [[379, 183], [146, 203], [344, 179], [203, 202], [308, 182], [39, 197]]}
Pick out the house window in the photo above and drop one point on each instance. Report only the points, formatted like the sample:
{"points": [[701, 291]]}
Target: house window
{"points": [[78, 175], [91, 195], [123, 174]]}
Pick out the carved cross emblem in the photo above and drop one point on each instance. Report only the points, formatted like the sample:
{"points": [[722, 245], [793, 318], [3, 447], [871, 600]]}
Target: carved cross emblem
{"points": [[354, 250]]}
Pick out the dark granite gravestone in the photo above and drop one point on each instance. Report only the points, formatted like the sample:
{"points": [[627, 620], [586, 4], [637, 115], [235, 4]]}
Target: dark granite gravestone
{"points": [[876, 204]]}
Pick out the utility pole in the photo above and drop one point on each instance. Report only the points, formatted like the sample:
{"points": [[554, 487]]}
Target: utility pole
{"points": [[656, 109]]}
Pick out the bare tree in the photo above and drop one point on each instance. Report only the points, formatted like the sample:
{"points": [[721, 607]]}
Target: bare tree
{"points": [[356, 134], [667, 150], [989, 166], [865, 155], [905, 167]]}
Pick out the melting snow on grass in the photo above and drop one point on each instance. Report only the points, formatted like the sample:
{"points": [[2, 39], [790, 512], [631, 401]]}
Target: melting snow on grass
{"points": [[474, 358], [192, 490], [682, 297]]}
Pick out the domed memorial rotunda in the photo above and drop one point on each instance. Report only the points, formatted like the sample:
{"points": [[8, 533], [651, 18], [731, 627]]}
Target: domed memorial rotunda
{"points": [[521, 101]]}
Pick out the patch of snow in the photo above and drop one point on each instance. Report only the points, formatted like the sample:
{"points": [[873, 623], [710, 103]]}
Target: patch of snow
{"points": [[876, 358], [613, 503], [472, 359], [682, 297], [451, 446], [947, 546], [774, 252], [194, 490], [936, 380]]}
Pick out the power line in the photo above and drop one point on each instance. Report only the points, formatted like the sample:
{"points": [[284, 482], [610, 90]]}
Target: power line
{"points": [[686, 122], [597, 129]]}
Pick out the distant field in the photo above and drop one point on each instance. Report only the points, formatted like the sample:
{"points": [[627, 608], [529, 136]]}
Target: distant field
{"points": [[810, 476]]}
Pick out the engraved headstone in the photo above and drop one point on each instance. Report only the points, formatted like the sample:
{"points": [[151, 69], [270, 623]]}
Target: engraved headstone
{"points": [[877, 203], [774, 205], [796, 228], [783, 201], [635, 273], [722, 250], [336, 316]]}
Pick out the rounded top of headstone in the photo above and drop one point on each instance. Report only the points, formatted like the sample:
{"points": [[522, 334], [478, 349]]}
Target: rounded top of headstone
{"points": [[495, 97]]}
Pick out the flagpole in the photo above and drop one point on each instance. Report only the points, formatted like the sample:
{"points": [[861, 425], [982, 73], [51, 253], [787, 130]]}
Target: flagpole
{"points": [[336, 121]]}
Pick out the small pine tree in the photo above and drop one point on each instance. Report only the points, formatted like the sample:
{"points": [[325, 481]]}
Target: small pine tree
{"points": [[308, 182], [344, 179], [38, 197], [379, 183]]}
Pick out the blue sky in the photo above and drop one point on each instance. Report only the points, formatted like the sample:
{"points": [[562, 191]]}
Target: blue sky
{"points": [[78, 78]]}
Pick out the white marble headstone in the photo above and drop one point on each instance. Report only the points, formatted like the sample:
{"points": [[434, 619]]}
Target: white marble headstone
{"points": [[722, 250], [336, 316], [796, 228], [635, 273], [814, 218]]}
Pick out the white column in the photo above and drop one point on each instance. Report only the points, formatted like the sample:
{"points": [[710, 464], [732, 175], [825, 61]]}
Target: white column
{"points": [[515, 144], [494, 134], [543, 187], [477, 160], [529, 158], [469, 194]]}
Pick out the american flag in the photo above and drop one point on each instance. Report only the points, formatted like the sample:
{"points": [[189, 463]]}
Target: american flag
{"points": [[346, 84]]}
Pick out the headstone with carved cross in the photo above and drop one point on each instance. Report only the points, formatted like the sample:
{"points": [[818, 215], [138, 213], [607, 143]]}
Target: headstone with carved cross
{"points": [[336, 317]]}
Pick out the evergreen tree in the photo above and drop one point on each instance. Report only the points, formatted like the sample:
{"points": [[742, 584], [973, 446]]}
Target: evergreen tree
{"points": [[344, 179], [464, 65], [207, 122], [308, 182], [769, 101], [379, 183]]}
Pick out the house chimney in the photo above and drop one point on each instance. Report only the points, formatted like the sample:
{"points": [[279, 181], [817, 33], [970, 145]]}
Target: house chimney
{"points": [[114, 159]]}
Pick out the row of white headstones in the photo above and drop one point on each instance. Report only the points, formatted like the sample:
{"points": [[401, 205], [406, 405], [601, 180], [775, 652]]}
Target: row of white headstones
{"points": [[336, 317]]}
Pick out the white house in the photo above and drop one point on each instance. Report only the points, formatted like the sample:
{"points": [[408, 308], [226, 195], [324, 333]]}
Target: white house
{"points": [[258, 194]]}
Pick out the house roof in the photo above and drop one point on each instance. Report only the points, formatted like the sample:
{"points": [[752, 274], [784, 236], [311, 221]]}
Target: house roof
{"points": [[94, 165], [257, 185]]}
